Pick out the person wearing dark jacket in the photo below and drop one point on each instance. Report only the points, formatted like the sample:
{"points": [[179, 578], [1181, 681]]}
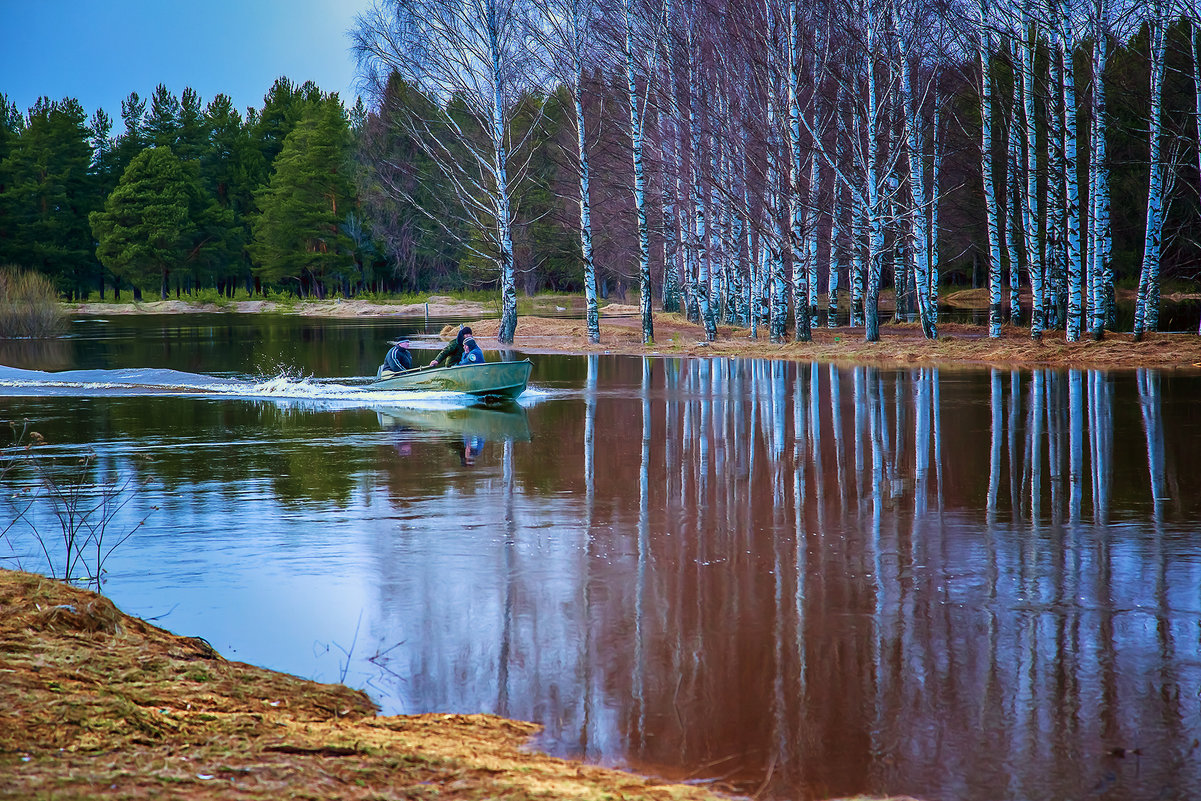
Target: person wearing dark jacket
{"points": [[458, 351], [399, 358]]}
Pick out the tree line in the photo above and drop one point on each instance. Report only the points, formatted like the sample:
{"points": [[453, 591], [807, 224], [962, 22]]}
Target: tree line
{"points": [[779, 156], [300, 195], [753, 162]]}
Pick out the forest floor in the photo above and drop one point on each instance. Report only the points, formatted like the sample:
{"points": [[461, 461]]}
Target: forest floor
{"points": [[97, 704], [562, 330]]}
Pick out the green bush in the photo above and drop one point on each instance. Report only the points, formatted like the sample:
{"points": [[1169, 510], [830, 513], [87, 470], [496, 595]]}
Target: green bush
{"points": [[29, 306]]}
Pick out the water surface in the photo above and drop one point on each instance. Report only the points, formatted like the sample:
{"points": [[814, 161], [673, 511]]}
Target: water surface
{"points": [[803, 580]]}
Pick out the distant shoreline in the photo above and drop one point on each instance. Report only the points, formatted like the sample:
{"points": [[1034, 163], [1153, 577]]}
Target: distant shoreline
{"points": [[438, 306], [901, 344]]}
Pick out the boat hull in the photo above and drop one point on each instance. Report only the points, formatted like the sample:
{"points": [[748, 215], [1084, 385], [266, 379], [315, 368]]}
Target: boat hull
{"points": [[487, 380]]}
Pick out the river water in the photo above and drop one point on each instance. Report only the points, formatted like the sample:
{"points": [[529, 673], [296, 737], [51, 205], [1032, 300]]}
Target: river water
{"points": [[797, 580]]}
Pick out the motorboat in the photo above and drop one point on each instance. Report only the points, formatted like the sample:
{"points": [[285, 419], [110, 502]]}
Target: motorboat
{"points": [[489, 381]]}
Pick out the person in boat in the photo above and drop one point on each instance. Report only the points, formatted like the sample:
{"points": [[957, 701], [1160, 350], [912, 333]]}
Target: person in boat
{"points": [[399, 358], [461, 350]]}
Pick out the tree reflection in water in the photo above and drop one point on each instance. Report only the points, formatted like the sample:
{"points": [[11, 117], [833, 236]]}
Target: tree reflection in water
{"points": [[803, 579], [829, 599]]}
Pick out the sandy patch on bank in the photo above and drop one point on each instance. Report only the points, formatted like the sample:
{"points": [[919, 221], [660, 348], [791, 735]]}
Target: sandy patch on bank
{"points": [[958, 344], [437, 306]]}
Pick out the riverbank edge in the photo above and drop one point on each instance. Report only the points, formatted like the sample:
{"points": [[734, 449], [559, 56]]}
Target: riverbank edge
{"points": [[95, 703], [900, 344]]}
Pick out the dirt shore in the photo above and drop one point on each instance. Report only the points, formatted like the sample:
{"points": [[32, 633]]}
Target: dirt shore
{"points": [[899, 344], [97, 704], [436, 306]]}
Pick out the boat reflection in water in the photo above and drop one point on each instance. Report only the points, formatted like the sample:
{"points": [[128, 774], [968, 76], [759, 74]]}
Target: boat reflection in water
{"points": [[473, 425], [507, 421]]}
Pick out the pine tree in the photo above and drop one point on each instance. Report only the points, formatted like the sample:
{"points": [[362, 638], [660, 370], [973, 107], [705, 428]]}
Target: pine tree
{"points": [[141, 229], [163, 121], [297, 234], [49, 194], [231, 171], [11, 124]]}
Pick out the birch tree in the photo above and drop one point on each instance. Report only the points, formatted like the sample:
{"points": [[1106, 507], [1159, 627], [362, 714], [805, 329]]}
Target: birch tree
{"points": [[917, 232], [873, 204], [1071, 188], [699, 274], [476, 53], [1146, 310], [566, 30], [637, 115], [772, 233], [1100, 237], [800, 255], [1030, 212]]}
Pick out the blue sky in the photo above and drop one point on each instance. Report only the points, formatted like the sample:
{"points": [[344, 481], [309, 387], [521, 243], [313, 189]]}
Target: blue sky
{"points": [[98, 51]]}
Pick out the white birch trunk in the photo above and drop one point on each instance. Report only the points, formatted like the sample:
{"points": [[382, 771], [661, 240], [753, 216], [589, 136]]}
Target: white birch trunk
{"points": [[1146, 311], [991, 209], [751, 311], [1100, 236], [730, 241], [835, 266], [774, 261], [1071, 187], [800, 272], [592, 307], [933, 201], [504, 214], [644, 244], [737, 277], [1013, 191], [672, 191], [1056, 252], [915, 219], [811, 236], [874, 210], [700, 252], [858, 267], [1034, 262]]}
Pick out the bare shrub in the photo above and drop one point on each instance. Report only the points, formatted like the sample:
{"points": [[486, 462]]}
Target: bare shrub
{"points": [[80, 505]]}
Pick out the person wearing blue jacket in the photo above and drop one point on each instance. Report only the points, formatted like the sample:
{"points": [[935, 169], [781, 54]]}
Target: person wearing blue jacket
{"points": [[461, 350]]}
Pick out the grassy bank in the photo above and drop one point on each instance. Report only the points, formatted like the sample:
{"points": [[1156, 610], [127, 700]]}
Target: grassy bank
{"points": [[97, 704]]}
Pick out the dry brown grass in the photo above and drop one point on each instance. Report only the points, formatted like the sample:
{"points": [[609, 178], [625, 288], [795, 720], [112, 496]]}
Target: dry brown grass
{"points": [[29, 306], [96, 704]]}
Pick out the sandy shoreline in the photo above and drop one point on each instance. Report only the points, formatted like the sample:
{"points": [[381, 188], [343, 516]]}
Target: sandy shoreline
{"points": [[899, 345], [437, 306]]}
